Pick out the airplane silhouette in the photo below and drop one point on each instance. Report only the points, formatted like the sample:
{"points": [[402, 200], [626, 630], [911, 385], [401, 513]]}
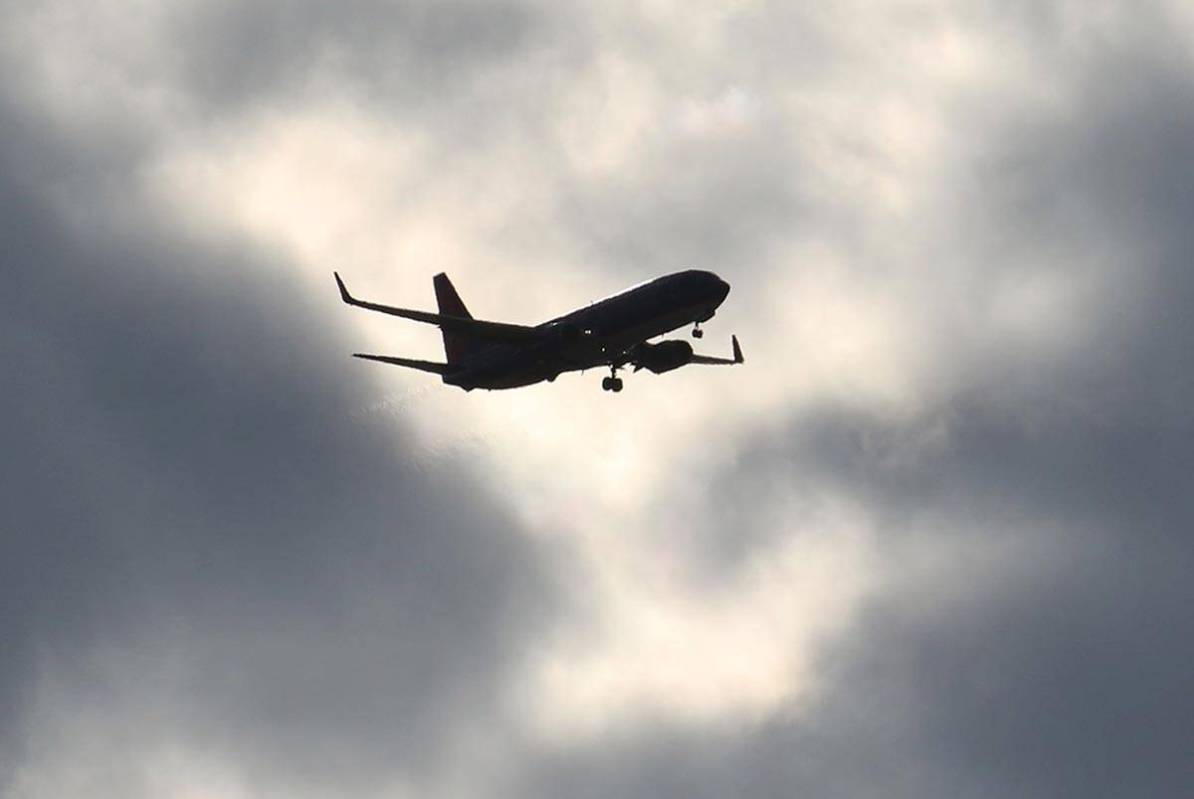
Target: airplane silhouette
{"points": [[612, 332]]}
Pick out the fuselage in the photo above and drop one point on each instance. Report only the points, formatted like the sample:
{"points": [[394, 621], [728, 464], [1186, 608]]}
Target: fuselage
{"points": [[591, 336]]}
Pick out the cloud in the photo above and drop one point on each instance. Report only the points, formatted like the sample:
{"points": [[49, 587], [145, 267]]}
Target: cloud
{"points": [[200, 529], [1030, 633], [396, 51], [929, 541]]}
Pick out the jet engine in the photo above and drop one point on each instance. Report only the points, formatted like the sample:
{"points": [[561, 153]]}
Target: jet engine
{"points": [[663, 357]]}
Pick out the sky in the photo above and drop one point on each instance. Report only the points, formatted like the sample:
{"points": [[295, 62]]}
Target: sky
{"points": [[933, 539]]}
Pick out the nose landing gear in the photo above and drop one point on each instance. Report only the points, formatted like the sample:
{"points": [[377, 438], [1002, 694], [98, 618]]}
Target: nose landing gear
{"points": [[696, 330]]}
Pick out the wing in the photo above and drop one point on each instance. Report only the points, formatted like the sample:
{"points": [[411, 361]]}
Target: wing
{"points": [[708, 359], [477, 328]]}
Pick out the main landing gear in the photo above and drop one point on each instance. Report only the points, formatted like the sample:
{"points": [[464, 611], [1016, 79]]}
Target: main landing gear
{"points": [[612, 383], [696, 330]]}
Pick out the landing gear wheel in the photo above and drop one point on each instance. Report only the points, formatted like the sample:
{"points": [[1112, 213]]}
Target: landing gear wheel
{"points": [[696, 331], [607, 384], [615, 384]]}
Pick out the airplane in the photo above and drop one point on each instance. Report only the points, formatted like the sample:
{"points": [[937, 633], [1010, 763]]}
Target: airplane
{"points": [[612, 333]]}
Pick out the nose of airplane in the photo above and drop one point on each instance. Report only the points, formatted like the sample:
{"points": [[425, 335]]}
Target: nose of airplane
{"points": [[706, 286]]}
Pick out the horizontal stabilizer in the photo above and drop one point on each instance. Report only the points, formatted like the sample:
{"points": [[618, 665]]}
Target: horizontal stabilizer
{"points": [[709, 359], [410, 363]]}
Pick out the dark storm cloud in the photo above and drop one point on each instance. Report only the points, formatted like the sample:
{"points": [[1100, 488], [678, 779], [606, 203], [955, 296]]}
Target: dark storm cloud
{"points": [[180, 476]]}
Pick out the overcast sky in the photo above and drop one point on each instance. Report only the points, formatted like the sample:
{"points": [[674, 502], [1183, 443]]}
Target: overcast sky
{"points": [[932, 540]]}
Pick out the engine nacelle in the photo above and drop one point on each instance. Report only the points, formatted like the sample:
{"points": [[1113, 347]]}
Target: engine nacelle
{"points": [[664, 356]]}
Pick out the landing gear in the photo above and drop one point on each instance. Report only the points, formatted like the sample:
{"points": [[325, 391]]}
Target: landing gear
{"points": [[696, 330], [612, 383]]}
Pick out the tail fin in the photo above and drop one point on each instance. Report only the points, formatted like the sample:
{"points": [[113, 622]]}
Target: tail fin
{"points": [[456, 346]]}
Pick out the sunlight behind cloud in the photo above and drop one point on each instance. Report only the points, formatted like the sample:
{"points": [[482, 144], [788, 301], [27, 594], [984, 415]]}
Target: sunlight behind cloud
{"points": [[662, 645], [245, 564], [840, 302], [580, 467], [341, 187]]}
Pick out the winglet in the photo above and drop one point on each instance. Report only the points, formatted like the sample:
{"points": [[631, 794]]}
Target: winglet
{"points": [[344, 295], [737, 350]]}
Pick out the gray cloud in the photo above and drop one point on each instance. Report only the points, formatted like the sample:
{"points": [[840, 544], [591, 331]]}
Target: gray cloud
{"points": [[1062, 669], [328, 606], [1071, 679], [402, 53], [185, 474]]}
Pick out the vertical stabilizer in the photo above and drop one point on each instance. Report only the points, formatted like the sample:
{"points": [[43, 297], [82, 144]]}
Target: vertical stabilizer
{"points": [[456, 346]]}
